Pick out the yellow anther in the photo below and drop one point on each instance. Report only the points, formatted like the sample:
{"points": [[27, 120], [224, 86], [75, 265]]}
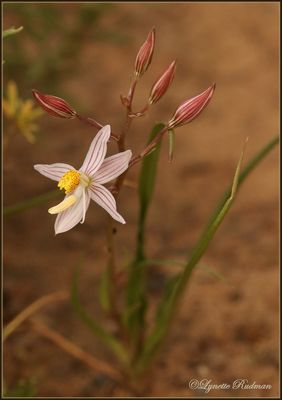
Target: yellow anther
{"points": [[69, 181]]}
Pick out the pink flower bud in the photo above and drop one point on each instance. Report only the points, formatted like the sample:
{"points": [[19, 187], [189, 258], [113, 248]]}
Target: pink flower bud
{"points": [[162, 84], [54, 105], [189, 110], [145, 54]]}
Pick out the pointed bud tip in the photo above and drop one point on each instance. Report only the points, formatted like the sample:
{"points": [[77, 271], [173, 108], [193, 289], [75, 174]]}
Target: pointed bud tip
{"points": [[213, 87]]}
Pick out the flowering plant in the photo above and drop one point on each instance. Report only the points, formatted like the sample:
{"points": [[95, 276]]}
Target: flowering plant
{"points": [[133, 341]]}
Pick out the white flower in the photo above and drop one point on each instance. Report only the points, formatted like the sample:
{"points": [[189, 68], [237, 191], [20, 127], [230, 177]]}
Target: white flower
{"points": [[86, 183]]}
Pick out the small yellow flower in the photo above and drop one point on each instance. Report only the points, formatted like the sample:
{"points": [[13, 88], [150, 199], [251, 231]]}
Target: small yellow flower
{"points": [[22, 113]]}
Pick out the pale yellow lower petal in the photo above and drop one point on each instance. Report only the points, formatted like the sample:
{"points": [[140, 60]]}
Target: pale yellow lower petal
{"points": [[64, 205]]}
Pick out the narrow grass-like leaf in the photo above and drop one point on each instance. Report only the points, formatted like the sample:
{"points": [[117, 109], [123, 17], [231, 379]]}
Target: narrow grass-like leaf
{"points": [[248, 168], [108, 339], [171, 137], [146, 188], [11, 31], [167, 297], [136, 301], [30, 203], [170, 306], [211, 271]]}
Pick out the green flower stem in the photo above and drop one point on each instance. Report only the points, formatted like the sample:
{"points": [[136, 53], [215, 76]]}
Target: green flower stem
{"points": [[29, 203]]}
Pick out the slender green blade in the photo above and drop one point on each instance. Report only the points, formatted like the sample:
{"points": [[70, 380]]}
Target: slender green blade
{"points": [[109, 340], [211, 271], [169, 307], [30, 203], [11, 31], [251, 165], [171, 139], [147, 181], [136, 299]]}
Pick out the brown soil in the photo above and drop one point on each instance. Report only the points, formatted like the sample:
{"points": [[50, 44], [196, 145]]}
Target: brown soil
{"points": [[225, 330]]}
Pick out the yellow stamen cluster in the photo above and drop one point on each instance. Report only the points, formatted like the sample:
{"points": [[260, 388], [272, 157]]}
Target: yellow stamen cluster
{"points": [[69, 181]]}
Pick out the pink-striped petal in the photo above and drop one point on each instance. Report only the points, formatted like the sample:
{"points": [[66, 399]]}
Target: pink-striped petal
{"points": [[97, 151], [53, 171], [112, 167], [105, 199], [66, 220]]}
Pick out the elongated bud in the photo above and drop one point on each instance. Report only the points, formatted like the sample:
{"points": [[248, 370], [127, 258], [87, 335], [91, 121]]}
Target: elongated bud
{"points": [[162, 84], [189, 110], [145, 54], [54, 105]]}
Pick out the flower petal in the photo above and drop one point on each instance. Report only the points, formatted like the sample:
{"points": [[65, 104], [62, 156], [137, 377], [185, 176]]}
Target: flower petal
{"points": [[53, 171], [112, 167], [97, 151], [105, 199], [66, 220]]}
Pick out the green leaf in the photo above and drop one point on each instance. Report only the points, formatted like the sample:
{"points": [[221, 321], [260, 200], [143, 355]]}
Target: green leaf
{"points": [[23, 388], [168, 295], [11, 31], [170, 306], [147, 180], [211, 271], [248, 168], [146, 187], [136, 301], [30, 203], [171, 137], [161, 325], [108, 339]]}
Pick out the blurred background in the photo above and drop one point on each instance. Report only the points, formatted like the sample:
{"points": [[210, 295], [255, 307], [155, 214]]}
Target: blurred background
{"points": [[227, 328]]}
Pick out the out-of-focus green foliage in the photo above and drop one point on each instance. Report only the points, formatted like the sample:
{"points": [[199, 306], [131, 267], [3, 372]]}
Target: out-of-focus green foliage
{"points": [[21, 113], [54, 37], [24, 388], [11, 31]]}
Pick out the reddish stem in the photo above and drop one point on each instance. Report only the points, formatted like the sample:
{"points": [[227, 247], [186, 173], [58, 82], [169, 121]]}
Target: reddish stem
{"points": [[149, 148], [92, 122]]}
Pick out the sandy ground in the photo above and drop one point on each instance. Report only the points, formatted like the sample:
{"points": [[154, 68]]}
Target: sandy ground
{"points": [[225, 330]]}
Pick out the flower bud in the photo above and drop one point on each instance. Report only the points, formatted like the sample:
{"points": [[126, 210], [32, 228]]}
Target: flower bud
{"points": [[145, 54], [189, 110], [162, 84], [54, 105]]}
